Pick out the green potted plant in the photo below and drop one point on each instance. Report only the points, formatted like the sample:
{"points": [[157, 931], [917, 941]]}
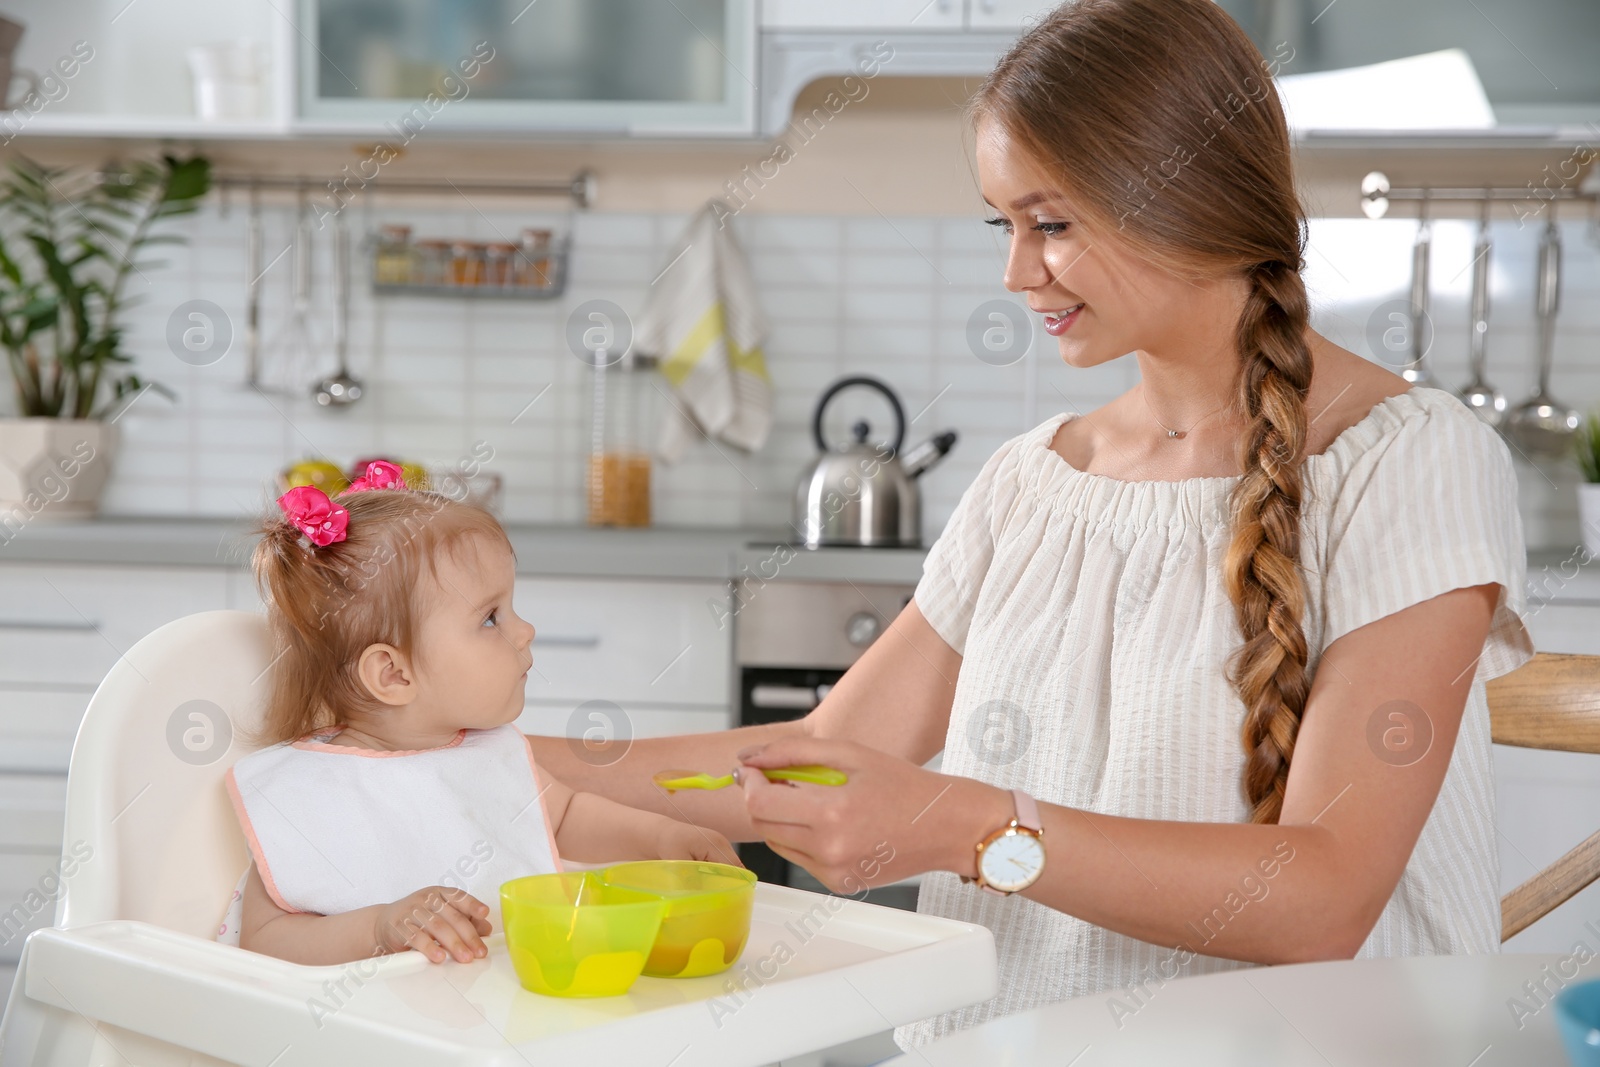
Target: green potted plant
{"points": [[69, 241], [1588, 449]]}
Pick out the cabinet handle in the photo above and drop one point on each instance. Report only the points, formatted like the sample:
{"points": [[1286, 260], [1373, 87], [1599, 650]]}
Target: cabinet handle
{"points": [[797, 697], [63, 627], [566, 640]]}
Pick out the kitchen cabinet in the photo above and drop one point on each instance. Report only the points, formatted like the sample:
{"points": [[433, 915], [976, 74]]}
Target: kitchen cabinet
{"points": [[1009, 14], [862, 14], [609, 67]]}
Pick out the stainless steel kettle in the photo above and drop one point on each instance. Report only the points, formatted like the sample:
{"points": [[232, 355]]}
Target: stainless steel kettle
{"points": [[864, 494]]}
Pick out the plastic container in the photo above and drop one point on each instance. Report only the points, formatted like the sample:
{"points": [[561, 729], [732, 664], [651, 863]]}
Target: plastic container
{"points": [[707, 918], [575, 935]]}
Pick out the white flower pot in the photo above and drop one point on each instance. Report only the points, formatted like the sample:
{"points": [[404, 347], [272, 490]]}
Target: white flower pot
{"points": [[52, 469], [1589, 515]]}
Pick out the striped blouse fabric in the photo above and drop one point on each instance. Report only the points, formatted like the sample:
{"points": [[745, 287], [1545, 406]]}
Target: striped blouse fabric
{"points": [[1095, 627]]}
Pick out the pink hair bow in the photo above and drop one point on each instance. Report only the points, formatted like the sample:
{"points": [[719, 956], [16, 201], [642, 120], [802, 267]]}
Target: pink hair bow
{"points": [[380, 474], [309, 510]]}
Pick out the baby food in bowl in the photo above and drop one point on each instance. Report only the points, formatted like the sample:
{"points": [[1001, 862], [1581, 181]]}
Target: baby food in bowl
{"points": [[706, 920]]}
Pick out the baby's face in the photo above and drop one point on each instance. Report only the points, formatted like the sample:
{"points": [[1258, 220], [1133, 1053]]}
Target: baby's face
{"points": [[473, 650]]}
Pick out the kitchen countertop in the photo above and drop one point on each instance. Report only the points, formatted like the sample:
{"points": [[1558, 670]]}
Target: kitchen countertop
{"points": [[659, 552], [544, 551]]}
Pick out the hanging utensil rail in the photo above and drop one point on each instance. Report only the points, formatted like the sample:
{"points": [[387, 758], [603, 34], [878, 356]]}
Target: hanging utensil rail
{"points": [[581, 188]]}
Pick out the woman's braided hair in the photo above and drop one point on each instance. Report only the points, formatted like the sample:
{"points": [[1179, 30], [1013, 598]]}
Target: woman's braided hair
{"points": [[1160, 121]]}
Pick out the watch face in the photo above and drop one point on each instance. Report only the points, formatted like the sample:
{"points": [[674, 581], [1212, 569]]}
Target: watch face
{"points": [[1012, 861]]}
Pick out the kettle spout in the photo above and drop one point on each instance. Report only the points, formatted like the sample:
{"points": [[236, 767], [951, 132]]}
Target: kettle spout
{"points": [[927, 454]]}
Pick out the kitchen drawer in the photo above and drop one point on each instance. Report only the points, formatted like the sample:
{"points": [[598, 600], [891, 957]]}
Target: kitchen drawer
{"points": [[1564, 627], [64, 625], [608, 721], [32, 812], [635, 642], [37, 726], [30, 885]]}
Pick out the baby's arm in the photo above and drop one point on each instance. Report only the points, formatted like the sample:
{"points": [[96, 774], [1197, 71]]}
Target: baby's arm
{"points": [[592, 829], [433, 921]]}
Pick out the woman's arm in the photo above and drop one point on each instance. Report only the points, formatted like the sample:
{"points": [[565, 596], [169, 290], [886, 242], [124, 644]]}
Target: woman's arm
{"points": [[895, 698], [1310, 887]]}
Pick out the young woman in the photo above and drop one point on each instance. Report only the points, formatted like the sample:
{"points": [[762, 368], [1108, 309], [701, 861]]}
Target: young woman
{"points": [[1228, 634]]}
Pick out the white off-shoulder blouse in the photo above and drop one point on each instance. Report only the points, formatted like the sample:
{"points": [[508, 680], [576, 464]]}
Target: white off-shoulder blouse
{"points": [[1095, 625]]}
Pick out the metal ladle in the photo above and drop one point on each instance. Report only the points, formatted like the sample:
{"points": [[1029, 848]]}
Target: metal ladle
{"points": [[342, 389], [1484, 399], [1541, 425], [1416, 371]]}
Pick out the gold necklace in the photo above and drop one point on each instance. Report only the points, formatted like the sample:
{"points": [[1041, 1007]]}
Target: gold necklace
{"points": [[1171, 433]]}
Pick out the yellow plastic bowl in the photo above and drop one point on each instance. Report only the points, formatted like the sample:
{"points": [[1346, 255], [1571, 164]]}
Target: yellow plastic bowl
{"points": [[575, 935], [707, 918]]}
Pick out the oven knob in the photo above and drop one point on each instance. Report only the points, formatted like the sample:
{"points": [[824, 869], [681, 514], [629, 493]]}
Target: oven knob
{"points": [[862, 629]]}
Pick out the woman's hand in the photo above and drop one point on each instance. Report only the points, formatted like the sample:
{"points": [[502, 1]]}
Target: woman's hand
{"points": [[435, 921], [685, 841], [891, 820]]}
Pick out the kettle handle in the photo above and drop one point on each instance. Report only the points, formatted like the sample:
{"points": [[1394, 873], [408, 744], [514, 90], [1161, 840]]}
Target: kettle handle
{"points": [[871, 382]]}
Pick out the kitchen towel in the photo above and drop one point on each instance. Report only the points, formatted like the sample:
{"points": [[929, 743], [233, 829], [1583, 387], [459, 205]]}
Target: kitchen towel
{"points": [[703, 322]]}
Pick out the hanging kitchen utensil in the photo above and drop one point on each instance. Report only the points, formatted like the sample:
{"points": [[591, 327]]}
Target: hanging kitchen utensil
{"points": [[341, 389], [1542, 425], [863, 494], [254, 240], [1484, 399], [294, 363], [1421, 331]]}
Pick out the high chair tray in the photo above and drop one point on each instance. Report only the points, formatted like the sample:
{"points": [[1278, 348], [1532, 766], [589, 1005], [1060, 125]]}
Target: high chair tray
{"points": [[817, 971]]}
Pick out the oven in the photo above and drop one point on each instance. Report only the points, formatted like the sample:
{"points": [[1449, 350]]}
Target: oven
{"points": [[792, 641]]}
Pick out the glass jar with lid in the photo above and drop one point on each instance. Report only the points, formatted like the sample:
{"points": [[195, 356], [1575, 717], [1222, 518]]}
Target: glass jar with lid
{"points": [[395, 260]]}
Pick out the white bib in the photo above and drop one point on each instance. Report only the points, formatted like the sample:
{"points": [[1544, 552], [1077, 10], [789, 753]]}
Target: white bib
{"points": [[334, 828]]}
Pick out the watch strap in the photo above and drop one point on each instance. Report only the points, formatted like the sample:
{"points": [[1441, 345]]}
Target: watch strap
{"points": [[1027, 811]]}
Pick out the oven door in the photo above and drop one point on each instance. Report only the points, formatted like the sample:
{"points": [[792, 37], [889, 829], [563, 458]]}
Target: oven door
{"points": [[779, 694]]}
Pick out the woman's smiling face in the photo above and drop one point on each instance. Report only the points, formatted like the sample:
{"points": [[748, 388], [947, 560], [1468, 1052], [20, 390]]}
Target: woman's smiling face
{"points": [[1057, 263]]}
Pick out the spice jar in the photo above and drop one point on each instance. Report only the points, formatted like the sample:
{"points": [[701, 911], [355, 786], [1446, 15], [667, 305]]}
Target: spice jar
{"points": [[394, 263], [533, 265], [433, 263], [466, 263], [498, 260]]}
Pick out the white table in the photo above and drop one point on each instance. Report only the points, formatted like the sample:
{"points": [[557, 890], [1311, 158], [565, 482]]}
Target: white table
{"points": [[1449, 1011]]}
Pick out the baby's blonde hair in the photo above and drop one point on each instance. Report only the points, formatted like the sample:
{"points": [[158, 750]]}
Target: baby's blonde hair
{"points": [[326, 605]]}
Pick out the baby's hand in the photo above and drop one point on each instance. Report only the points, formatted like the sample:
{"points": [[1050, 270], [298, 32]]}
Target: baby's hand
{"points": [[434, 921], [682, 841]]}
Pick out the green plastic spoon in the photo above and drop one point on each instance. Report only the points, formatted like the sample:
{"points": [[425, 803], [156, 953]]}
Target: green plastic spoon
{"points": [[672, 781]]}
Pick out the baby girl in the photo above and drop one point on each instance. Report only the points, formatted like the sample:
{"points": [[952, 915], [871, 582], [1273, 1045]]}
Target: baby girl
{"points": [[395, 794]]}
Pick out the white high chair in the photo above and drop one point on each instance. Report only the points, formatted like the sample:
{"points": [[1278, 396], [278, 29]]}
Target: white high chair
{"points": [[131, 973]]}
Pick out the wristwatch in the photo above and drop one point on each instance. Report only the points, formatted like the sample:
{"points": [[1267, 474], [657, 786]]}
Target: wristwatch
{"points": [[1012, 858]]}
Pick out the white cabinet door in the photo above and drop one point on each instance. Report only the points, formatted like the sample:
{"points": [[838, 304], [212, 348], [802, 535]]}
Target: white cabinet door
{"points": [[628, 642], [1564, 627], [861, 14], [32, 810], [37, 726], [68, 625], [604, 721], [1005, 14]]}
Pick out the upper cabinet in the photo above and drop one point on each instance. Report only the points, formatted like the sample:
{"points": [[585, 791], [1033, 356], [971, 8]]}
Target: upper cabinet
{"points": [[596, 67], [613, 69], [860, 15], [1535, 58]]}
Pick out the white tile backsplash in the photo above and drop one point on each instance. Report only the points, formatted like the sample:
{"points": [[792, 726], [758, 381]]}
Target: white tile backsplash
{"points": [[889, 297]]}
